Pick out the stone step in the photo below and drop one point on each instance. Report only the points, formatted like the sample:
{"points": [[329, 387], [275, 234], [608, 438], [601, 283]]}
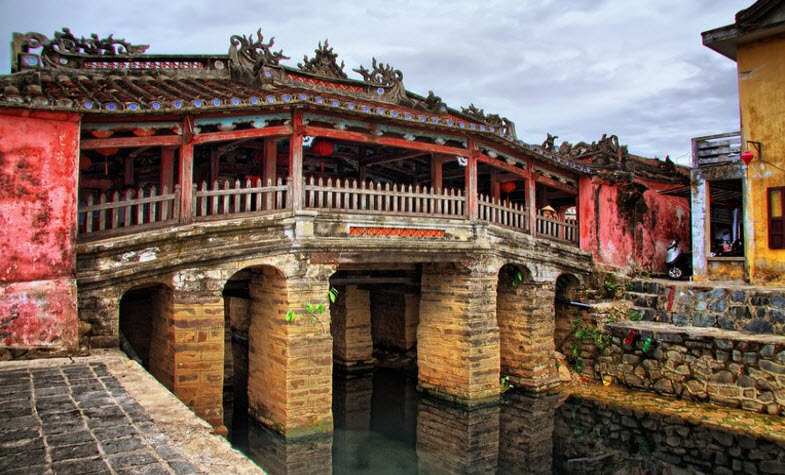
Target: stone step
{"points": [[641, 299], [647, 314], [641, 286]]}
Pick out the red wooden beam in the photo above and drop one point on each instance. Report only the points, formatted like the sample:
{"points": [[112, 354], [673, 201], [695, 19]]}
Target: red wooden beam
{"points": [[241, 134], [556, 184], [503, 165], [131, 142], [392, 142]]}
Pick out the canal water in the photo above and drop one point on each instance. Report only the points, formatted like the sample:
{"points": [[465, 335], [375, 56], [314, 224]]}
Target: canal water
{"points": [[383, 426]]}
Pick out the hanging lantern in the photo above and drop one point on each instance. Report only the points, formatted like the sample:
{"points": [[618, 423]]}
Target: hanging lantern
{"points": [[747, 157], [85, 163], [323, 148], [106, 152], [508, 186]]}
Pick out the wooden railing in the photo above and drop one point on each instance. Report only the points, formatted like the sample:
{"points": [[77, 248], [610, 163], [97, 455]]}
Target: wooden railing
{"points": [[139, 209], [503, 213], [375, 198], [239, 198], [553, 228], [131, 209]]}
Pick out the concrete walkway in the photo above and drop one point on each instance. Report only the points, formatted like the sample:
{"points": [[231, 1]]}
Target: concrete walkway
{"points": [[102, 414]]}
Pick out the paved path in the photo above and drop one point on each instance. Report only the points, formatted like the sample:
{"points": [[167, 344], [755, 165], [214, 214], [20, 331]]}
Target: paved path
{"points": [[75, 417]]}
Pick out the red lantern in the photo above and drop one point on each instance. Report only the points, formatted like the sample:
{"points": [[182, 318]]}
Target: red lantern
{"points": [[106, 152], [508, 186], [747, 157], [322, 148]]}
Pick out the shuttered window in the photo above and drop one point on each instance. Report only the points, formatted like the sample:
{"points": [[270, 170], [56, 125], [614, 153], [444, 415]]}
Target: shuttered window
{"points": [[776, 218]]}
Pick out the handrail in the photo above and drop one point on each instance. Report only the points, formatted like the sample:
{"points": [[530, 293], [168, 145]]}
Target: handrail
{"points": [[121, 210], [503, 213], [374, 198], [250, 197]]}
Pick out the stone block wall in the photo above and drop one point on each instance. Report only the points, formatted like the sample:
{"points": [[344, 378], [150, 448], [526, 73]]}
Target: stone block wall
{"points": [[394, 319], [162, 337], [526, 434], [704, 364], [755, 310], [290, 363], [458, 337]]}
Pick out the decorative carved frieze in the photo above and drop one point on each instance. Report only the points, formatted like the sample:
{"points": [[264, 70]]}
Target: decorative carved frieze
{"points": [[64, 44], [501, 125], [388, 81], [324, 63]]}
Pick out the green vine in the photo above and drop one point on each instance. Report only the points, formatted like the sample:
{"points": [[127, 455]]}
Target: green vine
{"points": [[313, 310], [581, 334], [635, 316], [505, 384]]}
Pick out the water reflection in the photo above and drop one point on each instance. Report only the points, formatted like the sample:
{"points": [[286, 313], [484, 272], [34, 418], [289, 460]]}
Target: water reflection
{"points": [[383, 426]]}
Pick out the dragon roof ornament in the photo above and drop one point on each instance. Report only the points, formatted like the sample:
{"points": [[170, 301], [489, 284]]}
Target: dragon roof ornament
{"points": [[386, 78], [248, 57], [324, 63], [65, 44], [503, 124]]}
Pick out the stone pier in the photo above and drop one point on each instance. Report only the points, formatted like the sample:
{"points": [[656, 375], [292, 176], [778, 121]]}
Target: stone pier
{"points": [[458, 338], [351, 330], [290, 363]]}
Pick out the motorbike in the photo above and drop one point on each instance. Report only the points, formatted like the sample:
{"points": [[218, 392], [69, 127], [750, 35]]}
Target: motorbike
{"points": [[678, 262]]}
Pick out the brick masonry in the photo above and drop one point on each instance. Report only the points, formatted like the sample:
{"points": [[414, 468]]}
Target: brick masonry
{"points": [[395, 316], [705, 364]]}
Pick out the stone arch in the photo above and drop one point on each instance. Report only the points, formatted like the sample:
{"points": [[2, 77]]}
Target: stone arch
{"points": [[144, 328], [567, 290], [514, 298]]}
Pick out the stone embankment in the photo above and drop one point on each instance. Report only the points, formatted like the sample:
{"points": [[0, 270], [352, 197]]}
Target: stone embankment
{"points": [[705, 364]]}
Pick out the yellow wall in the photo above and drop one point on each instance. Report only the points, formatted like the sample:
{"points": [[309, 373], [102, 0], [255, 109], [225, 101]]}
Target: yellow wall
{"points": [[761, 68]]}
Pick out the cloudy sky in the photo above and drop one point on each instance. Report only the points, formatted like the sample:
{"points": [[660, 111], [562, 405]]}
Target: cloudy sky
{"points": [[574, 68]]}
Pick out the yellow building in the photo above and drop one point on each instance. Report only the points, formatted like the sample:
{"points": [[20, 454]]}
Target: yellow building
{"points": [[756, 41]]}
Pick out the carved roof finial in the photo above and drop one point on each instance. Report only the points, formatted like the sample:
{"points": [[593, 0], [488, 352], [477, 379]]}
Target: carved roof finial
{"points": [[324, 63], [380, 73]]}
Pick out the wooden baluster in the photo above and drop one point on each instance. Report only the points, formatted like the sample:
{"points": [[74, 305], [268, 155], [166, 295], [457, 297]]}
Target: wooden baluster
{"points": [[165, 204], [214, 200], [115, 211], [247, 196], [89, 215], [279, 197], [153, 206], [127, 210], [139, 207]]}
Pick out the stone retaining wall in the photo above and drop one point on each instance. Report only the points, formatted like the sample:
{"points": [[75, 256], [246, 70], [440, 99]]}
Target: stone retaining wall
{"points": [[753, 310], [706, 364]]}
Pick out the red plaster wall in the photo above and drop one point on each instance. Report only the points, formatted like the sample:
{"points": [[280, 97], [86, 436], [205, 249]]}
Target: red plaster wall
{"points": [[39, 152], [616, 242]]}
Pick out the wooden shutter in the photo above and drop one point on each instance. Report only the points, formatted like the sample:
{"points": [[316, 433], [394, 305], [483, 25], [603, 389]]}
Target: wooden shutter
{"points": [[776, 199]]}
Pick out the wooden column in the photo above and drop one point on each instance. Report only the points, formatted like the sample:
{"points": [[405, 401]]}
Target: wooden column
{"points": [[471, 181], [167, 168], [270, 159], [296, 160], [437, 163], [128, 177], [496, 192], [214, 166], [186, 172], [531, 203]]}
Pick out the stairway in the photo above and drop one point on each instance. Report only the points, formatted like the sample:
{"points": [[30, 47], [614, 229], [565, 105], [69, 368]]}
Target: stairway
{"points": [[645, 297]]}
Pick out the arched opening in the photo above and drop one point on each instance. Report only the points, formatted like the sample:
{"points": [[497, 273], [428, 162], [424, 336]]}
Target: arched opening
{"points": [[514, 307], [237, 321], [145, 330], [566, 314]]}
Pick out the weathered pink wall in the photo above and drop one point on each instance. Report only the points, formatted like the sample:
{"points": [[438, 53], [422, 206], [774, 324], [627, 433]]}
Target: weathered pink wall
{"points": [[39, 153], [609, 232]]}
